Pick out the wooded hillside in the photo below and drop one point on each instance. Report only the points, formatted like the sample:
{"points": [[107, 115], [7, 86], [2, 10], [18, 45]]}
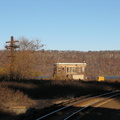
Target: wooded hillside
{"points": [[98, 62], [105, 63]]}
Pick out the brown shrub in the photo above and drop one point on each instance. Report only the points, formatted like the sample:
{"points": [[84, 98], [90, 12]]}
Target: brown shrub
{"points": [[10, 97]]}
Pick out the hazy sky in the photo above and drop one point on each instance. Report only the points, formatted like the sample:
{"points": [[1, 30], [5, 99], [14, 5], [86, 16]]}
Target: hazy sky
{"points": [[63, 24]]}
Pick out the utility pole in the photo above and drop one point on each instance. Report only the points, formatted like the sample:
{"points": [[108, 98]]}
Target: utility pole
{"points": [[12, 48]]}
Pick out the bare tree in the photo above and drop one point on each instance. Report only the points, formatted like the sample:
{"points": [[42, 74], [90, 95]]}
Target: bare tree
{"points": [[25, 59]]}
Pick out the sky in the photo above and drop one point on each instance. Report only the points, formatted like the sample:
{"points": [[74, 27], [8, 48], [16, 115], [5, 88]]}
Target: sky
{"points": [[80, 25]]}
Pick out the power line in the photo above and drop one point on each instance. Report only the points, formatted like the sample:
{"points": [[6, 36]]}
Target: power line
{"points": [[12, 48]]}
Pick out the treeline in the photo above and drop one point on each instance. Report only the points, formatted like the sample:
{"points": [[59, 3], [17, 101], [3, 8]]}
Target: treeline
{"points": [[105, 63], [30, 62]]}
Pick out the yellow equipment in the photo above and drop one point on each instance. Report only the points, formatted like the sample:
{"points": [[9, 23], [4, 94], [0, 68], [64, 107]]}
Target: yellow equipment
{"points": [[101, 78]]}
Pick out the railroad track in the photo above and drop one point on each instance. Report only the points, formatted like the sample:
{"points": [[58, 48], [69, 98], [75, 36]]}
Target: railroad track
{"points": [[77, 110]]}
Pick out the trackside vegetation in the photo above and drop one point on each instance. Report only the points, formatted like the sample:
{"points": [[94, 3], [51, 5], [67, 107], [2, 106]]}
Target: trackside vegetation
{"points": [[43, 93]]}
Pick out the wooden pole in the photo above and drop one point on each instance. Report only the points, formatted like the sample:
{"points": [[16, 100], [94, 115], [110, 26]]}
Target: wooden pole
{"points": [[11, 46]]}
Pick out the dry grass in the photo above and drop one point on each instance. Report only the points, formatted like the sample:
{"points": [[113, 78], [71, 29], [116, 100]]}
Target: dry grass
{"points": [[10, 98], [28, 93]]}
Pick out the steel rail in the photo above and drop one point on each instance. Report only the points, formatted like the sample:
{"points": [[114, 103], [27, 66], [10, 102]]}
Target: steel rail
{"points": [[53, 112], [80, 110]]}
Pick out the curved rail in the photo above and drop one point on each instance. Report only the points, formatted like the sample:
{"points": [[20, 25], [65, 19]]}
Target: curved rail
{"points": [[114, 93], [100, 102]]}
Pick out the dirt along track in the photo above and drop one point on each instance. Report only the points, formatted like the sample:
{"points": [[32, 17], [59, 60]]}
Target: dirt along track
{"points": [[107, 111], [102, 107]]}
